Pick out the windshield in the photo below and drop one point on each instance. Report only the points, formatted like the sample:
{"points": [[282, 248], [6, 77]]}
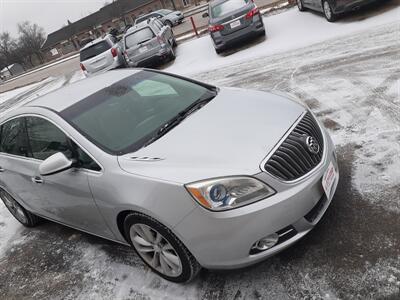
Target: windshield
{"points": [[122, 118], [227, 7], [139, 37], [94, 50]]}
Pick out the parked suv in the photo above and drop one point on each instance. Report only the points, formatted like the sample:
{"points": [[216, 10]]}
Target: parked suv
{"points": [[148, 43], [233, 20], [168, 17], [101, 55]]}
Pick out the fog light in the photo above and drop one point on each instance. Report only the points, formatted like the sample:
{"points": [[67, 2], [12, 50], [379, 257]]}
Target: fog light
{"points": [[267, 242]]}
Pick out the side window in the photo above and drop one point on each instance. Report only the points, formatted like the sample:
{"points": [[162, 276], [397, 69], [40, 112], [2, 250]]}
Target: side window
{"points": [[14, 139], [156, 27], [46, 139], [159, 25], [85, 161]]}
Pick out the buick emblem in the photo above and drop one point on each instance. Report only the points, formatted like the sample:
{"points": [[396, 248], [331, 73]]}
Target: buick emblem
{"points": [[312, 145]]}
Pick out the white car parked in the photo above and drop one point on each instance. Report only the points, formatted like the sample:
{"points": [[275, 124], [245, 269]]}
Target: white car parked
{"points": [[101, 55]]}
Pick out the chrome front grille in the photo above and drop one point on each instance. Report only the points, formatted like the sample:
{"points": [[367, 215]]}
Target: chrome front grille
{"points": [[297, 155]]}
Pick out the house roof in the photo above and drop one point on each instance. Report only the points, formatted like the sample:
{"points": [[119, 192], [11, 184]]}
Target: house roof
{"points": [[106, 13]]}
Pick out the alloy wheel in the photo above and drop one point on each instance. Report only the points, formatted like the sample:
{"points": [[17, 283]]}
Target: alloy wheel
{"points": [[155, 249], [13, 206], [327, 10]]}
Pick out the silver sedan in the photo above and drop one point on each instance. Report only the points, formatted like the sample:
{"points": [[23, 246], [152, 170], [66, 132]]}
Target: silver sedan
{"points": [[188, 174]]}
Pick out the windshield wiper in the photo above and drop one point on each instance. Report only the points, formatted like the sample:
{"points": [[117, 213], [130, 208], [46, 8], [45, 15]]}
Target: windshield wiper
{"points": [[181, 116]]}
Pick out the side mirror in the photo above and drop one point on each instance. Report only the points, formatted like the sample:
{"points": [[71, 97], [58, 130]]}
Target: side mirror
{"points": [[205, 15], [55, 164]]}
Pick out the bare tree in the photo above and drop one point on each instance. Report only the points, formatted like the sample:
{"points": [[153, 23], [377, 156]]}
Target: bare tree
{"points": [[7, 45], [31, 39]]}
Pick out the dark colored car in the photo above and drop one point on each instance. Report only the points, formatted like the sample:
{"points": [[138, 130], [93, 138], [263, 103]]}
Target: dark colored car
{"points": [[231, 21], [332, 8]]}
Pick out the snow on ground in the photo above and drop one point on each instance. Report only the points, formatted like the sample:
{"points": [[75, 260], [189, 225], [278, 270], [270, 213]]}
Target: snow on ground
{"points": [[351, 82], [14, 93], [285, 31], [9, 229], [18, 97]]}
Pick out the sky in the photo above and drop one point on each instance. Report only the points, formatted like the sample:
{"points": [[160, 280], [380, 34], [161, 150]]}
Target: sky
{"points": [[49, 14]]}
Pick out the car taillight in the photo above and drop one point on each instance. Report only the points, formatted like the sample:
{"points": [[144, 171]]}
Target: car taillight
{"points": [[252, 13], [114, 52], [215, 28], [83, 67]]}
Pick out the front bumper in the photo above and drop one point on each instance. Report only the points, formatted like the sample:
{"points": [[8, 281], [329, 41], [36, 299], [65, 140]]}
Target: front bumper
{"points": [[222, 41], [223, 240]]}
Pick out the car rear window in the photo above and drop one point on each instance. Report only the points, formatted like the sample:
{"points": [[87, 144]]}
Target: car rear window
{"points": [[227, 7], [94, 50], [141, 19], [139, 37]]}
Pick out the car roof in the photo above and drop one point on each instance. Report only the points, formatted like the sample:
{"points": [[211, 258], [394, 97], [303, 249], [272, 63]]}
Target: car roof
{"points": [[65, 97], [216, 2], [94, 42]]}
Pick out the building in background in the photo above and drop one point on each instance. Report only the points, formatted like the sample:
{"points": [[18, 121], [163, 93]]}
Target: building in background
{"points": [[117, 15]]}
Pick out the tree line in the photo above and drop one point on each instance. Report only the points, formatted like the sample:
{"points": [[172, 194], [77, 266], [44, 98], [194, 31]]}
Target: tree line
{"points": [[25, 49]]}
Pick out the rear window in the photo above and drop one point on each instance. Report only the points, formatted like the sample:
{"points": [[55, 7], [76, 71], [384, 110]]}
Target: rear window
{"points": [[94, 50], [141, 19], [139, 37], [227, 7]]}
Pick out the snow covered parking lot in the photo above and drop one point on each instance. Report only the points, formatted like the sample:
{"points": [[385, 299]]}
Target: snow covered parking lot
{"points": [[351, 81]]}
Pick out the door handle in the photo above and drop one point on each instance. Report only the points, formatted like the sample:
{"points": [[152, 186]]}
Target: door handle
{"points": [[1, 170], [37, 179]]}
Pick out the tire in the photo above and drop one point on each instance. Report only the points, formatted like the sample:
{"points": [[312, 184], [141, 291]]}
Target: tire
{"points": [[172, 55], [300, 5], [167, 251], [168, 23], [328, 12], [219, 50], [23, 216], [174, 43]]}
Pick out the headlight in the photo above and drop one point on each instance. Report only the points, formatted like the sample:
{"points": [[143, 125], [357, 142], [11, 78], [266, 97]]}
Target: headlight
{"points": [[227, 193]]}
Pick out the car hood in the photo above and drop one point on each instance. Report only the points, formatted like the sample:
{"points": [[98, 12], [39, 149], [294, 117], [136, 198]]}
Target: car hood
{"points": [[231, 135]]}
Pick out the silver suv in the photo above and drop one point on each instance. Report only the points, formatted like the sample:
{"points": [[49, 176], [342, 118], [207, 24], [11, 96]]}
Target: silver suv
{"points": [[168, 17], [101, 55], [148, 43]]}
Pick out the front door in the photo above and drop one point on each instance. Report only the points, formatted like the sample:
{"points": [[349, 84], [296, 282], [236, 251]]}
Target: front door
{"points": [[17, 167], [65, 196]]}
